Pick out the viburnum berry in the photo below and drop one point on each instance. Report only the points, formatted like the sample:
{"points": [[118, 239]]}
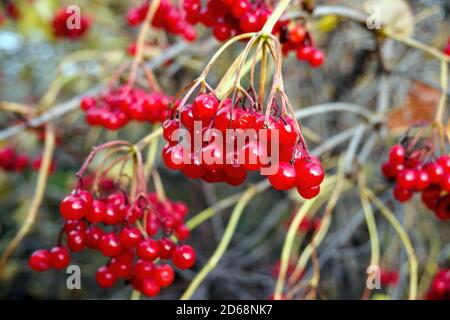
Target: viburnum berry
{"points": [[105, 277], [184, 257], [166, 248], [40, 260], [76, 240], [130, 237], [284, 178], [148, 249], [309, 174], [59, 257], [75, 206], [110, 245], [164, 275], [144, 269], [150, 287]]}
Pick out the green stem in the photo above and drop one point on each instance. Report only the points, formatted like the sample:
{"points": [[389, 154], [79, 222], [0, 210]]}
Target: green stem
{"points": [[223, 245]]}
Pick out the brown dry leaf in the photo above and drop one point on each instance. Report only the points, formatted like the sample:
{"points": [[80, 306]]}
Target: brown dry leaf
{"points": [[419, 106], [396, 15]]}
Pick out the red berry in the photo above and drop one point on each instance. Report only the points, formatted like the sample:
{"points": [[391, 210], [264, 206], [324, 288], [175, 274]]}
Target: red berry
{"points": [[422, 180], [40, 260], [397, 154], [98, 212], [164, 275], [110, 245], [435, 171], [105, 277], [130, 237], [93, 236], [182, 232], [284, 178], [406, 179], [166, 248], [309, 174], [148, 249], [401, 194], [308, 192], [59, 257], [316, 58], [204, 107], [297, 34], [150, 288], [76, 240], [143, 269], [249, 22], [73, 207], [184, 257]]}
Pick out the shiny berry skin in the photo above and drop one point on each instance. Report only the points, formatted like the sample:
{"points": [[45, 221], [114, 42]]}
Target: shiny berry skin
{"points": [[98, 212], [169, 126], [388, 171], [148, 250], [105, 277], [130, 237], [305, 53], [240, 7], [76, 240], [222, 32], [87, 103], [445, 182], [444, 161], [164, 275], [110, 245], [397, 154], [173, 156], [150, 287], [249, 22], [422, 180], [73, 207], [402, 195], [435, 172], [316, 59], [40, 260], [284, 178], [184, 257], [308, 192], [143, 269], [59, 257], [182, 232], [187, 117], [204, 107], [309, 174], [93, 236], [407, 179], [166, 248], [297, 34]]}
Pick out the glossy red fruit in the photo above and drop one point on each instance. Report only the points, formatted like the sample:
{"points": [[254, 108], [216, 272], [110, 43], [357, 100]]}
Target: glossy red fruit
{"points": [[317, 58], [249, 22], [143, 269], [284, 178], [173, 156], [59, 257], [444, 161], [309, 174], [222, 32], [187, 117], [105, 277], [150, 287], [110, 245], [422, 180], [166, 248], [182, 232], [169, 126], [406, 179], [76, 240], [388, 171], [402, 195], [308, 192], [148, 250], [98, 212], [305, 53], [240, 7], [435, 172], [73, 207], [40, 260], [184, 257], [297, 34], [397, 154], [93, 235], [204, 107], [130, 237], [164, 275]]}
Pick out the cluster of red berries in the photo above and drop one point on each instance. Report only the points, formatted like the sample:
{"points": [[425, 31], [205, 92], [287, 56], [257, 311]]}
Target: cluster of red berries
{"points": [[168, 17], [440, 286], [109, 225], [296, 38], [389, 278], [446, 50], [412, 174], [215, 162], [227, 18], [11, 160], [116, 107], [65, 26]]}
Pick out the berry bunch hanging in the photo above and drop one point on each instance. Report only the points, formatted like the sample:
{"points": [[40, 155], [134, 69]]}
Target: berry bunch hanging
{"points": [[137, 231], [412, 170], [117, 106], [64, 24], [167, 16], [295, 37], [440, 286]]}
